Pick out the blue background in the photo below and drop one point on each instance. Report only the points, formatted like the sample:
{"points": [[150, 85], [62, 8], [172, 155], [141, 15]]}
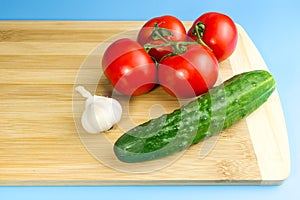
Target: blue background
{"points": [[274, 27]]}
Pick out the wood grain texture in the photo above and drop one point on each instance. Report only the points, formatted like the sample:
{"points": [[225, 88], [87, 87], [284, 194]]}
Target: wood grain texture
{"points": [[42, 142]]}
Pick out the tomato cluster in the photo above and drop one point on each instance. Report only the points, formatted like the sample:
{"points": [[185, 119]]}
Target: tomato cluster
{"points": [[184, 63]]}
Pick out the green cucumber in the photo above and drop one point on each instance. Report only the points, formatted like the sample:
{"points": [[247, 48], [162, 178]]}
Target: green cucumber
{"points": [[209, 114]]}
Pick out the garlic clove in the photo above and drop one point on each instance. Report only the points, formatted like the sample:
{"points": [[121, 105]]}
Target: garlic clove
{"points": [[100, 113], [116, 109], [86, 122], [97, 117]]}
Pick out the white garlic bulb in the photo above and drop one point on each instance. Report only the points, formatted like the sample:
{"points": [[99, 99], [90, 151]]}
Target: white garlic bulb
{"points": [[100, 113]]}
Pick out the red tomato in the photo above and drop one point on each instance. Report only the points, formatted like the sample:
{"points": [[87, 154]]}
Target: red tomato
{"points": [[220, 34], [189, 74], [129, 68], [169, 27]]}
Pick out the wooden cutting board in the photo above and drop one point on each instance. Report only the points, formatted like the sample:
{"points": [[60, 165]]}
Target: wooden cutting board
{"points": [[42, 141]]}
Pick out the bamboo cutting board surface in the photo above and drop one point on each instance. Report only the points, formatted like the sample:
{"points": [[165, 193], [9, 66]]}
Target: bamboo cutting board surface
{"points": [[43, 143]]}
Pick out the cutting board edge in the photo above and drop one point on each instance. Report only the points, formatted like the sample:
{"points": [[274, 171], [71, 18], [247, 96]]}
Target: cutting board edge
{"points": [[264, 155], [143, 183]]}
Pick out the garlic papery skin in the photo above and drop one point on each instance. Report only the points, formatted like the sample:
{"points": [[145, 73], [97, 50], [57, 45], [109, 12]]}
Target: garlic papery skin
{"points": [[100, 113]]}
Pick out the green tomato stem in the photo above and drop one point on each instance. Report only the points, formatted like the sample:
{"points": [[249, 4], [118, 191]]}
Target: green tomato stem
{"points": [[199, 32], [157, 33], [178, 47]]}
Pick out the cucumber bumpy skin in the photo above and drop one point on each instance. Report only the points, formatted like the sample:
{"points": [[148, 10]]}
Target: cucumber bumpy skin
{"points": [[209, 114]]}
